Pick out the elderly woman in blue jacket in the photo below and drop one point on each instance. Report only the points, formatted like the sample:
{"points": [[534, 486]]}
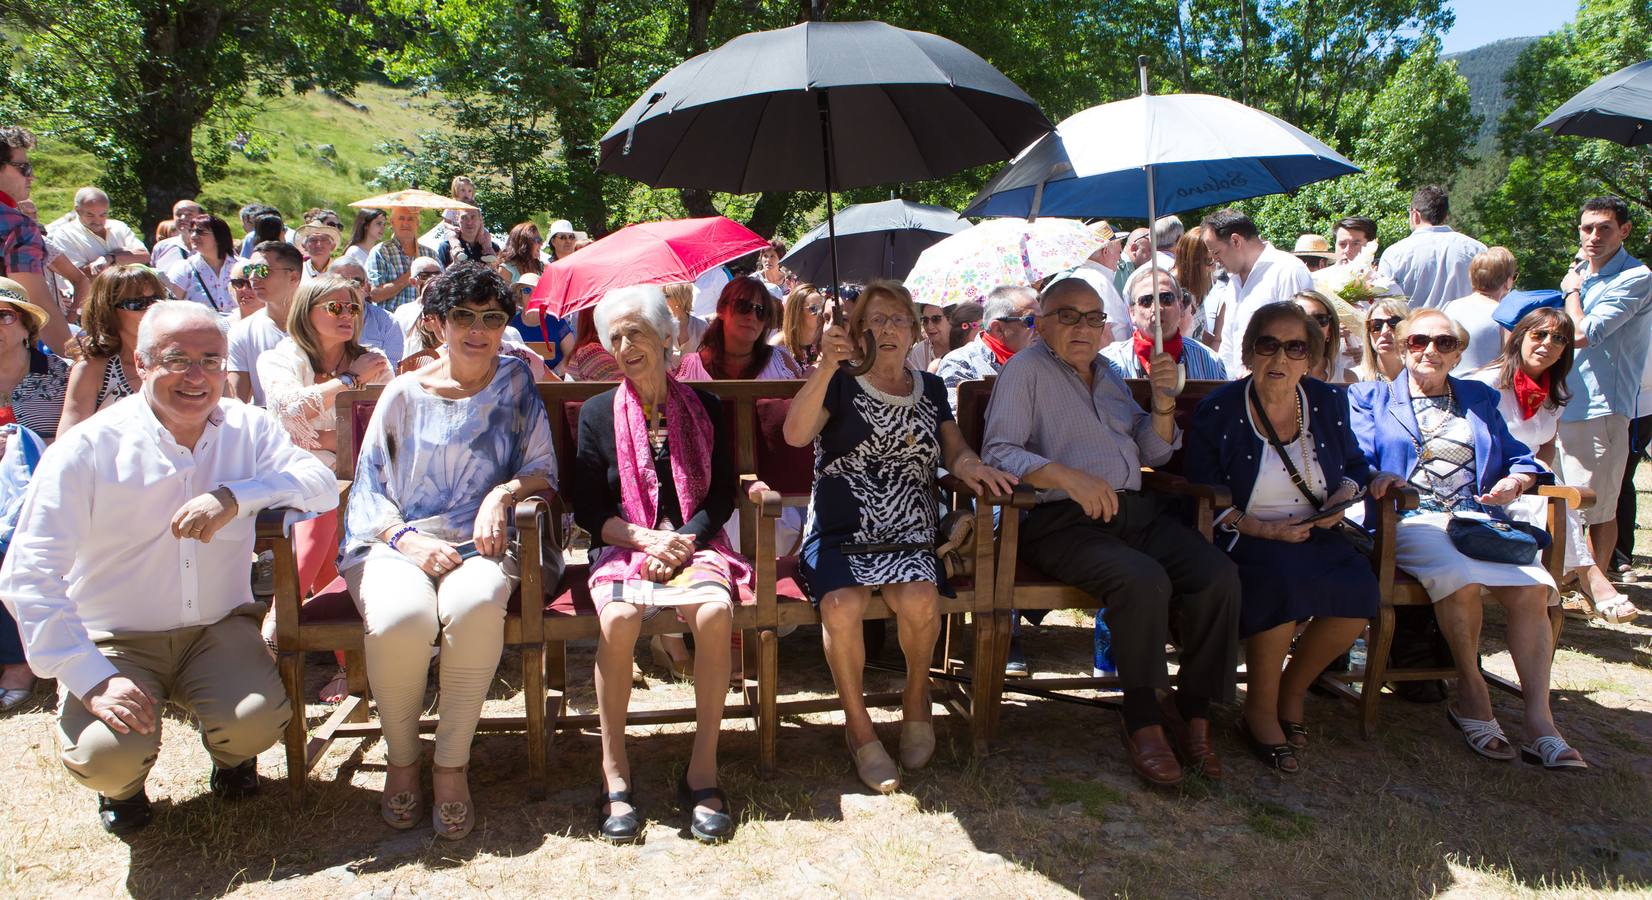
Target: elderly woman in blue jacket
{"points": [[1280, 441], [1447, 437]]}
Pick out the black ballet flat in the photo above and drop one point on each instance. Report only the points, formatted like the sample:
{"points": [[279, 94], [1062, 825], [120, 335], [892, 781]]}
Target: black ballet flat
{"points": [[707, 827], [1281, 757], [626, 829]]}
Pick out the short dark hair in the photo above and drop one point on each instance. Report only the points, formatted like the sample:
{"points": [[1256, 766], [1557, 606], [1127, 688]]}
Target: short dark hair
{"points": [[1362, 224], [1282, 311], [220, 235], [1608, 203], [268, 227], [283, 251], [14, 136], [778, 246], [1225, 223], [1432, 203], [467, 283]]}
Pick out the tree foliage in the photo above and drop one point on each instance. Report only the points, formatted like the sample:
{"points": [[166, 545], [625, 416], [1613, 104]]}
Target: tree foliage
{"points": [[132, 80], [1534, 210]]}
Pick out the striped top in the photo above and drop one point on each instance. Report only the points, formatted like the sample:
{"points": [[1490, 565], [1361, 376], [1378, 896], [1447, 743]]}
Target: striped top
{"points": [[37, 401]]}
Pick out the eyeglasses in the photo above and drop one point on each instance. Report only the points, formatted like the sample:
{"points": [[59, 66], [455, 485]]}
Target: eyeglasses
{"points": [[9, 316], [1446, 343], [239, 283], [1027, 320], [1376, 326], [26, 169], [897, 322], [1166, 298], [263, 270], [200, 230], [748, 308], [426, 275], [1069, 316], [813, 308], [177, 365], [1544, 335], [138, 304], [1323, 320], [1268, 345], [338, 309], [460, 317], [525, 290], [936, 319]]}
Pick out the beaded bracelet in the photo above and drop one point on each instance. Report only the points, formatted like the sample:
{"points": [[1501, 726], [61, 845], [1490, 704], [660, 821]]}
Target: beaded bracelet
{"points": [[398, 535]]}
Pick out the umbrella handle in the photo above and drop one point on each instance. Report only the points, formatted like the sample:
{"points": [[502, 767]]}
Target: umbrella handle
{"points": [[869, 346]]}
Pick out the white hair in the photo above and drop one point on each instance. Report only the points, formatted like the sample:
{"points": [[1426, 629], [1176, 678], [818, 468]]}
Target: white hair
{"points": [[169, 316], [90, 195], [424, 262], [1003, 299], [1167, 231], [647, 301], [1144, 272]]}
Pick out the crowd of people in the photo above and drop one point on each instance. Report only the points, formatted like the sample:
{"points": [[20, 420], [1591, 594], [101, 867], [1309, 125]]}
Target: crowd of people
{"points": [[186, 386]]}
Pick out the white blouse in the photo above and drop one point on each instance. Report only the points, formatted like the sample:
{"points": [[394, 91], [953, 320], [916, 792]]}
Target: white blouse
{"points": [[1274, 497]]}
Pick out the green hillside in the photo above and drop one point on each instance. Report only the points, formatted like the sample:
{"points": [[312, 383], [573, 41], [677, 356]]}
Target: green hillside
{"points": [[287, 165], [1483, 68]]}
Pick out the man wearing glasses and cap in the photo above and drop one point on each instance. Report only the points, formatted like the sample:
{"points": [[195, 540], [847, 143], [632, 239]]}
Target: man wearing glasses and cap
{"points": [[160, 490]]}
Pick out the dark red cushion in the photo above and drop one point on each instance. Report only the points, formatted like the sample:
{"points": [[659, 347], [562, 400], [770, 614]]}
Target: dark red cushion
{"points": [[332, 604], [784, 468]]}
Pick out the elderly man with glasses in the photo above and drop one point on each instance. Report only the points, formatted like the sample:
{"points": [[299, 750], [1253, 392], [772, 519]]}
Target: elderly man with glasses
{"points": [[1065, 423], [160, 490], [1131, 358], [1007, 319]]}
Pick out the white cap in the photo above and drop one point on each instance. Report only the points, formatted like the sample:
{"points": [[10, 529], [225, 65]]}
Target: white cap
{"points": [[562, 226]]}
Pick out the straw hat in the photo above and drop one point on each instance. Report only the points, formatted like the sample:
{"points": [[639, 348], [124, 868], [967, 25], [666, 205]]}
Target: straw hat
{"points": [[313, 228], [1313, 245], [1104, 234], [13, 293]]}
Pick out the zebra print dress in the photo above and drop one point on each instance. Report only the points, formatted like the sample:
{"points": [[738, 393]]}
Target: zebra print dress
{"points": [[875, 464]]}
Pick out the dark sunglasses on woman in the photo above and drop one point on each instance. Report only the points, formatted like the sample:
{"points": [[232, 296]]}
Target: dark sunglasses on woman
{"points": [[466, 318], [138, 304], [748, 308], [1544, 335], [338, 309], [1323, 320], [1377, 325], [1446, 343], [1268, 345]]}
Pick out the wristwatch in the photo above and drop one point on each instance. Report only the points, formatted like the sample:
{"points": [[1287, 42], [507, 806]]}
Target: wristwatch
{"points": [[348, 380]]}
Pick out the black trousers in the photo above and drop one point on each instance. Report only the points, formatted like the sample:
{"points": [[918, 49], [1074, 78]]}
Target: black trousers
{"points": [[1140, 567], [1640, 432]]}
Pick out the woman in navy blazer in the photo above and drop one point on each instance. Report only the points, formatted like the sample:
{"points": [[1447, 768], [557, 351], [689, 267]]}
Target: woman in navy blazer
{"points": [[1449, 439], [1276, 439]]}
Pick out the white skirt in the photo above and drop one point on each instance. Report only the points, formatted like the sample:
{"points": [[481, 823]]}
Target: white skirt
{"points": [[1534, 510], [1422, 549]]}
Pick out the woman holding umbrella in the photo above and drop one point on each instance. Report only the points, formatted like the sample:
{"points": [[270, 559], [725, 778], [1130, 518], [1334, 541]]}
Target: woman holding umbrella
{"points": [[879, 439]]}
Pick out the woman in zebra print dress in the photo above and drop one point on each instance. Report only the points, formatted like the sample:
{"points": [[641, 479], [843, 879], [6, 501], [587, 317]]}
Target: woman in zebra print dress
{"points": [[879, 439]]}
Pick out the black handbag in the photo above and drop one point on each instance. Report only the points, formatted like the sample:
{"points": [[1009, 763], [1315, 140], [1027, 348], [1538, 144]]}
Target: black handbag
{"points": [[1497, 541]]}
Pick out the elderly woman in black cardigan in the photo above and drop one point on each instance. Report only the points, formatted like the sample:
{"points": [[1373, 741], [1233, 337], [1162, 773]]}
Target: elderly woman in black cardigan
{"points": [[1281, 442]]}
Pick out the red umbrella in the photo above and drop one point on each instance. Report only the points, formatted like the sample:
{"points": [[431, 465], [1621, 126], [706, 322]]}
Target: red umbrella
{"points": [[649, 253]]}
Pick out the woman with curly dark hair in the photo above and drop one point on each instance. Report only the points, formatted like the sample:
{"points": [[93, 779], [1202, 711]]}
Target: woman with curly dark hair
{"points": [[108, 369]]}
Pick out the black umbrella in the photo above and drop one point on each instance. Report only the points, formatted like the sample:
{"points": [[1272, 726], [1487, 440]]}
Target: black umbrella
{"points": [[757, 114], [874, 240], [1617, 108]]}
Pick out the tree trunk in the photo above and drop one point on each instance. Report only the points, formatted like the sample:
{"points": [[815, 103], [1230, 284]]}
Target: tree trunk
{"points": [[160, 135], [769, 212], [1244, 52], [697, 202], [580, 131], [1181, 45]]}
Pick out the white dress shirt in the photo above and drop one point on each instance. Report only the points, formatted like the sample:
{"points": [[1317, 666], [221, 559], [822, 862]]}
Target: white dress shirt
{"points": [[1431, 265], [81, 246], [94, 554], [1276, 277], [1115, 306]]}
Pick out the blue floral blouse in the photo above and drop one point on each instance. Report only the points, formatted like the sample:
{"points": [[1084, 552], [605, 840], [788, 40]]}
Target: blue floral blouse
{"points": [[429, 461]]}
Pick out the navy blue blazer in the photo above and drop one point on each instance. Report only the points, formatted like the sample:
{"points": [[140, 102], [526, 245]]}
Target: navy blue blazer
{"points": [[1221, 446], [1386, 424]]}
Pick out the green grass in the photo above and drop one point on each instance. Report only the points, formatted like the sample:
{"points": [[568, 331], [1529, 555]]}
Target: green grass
{"points": [[1091, 796], [295, 177], [1277, 822]]}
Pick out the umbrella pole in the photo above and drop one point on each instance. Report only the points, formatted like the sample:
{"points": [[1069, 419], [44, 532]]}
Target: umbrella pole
{"points": [[871, 347], [1153, 250]]}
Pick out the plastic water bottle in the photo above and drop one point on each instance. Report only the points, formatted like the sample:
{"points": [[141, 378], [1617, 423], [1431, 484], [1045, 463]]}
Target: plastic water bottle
{"points": [[1104, 667], [1356, 656]]}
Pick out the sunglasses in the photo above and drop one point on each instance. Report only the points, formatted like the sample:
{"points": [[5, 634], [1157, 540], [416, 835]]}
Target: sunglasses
{"points": [[177, 365], [424, 276], [200, 231], [1166, 298], [1323, 320], [1544, 335], [1027, 320], [748, 308], [263, 270], [138, 304], [1376, 326], [26, 169], [1445, 343], [1268, 345], [936, 319], [460, 317], [525, 290], [338, 309], [239, 283], [1069, 316], [814, 308]]}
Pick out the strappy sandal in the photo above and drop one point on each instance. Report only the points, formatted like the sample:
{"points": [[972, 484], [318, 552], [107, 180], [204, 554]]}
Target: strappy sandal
{"points": [[1479, 733], [336, 690], [1617, 610], [454, 819], [1281, 757], [399, 810], [1546, 750], [1296, 734]]}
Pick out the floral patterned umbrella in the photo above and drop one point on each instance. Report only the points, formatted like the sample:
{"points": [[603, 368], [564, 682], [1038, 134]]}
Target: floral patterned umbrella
{"points": [[968, 265]]}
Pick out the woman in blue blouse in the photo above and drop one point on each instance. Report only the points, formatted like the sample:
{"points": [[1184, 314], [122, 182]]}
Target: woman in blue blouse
{"points": [[1452, 444], [449, 451], [1281, 442]]}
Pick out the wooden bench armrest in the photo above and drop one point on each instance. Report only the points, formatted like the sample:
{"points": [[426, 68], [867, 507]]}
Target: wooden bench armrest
{"points": [[1575, 497], [1022, 497], [767, 501], [1168, 483], [272, 531], [532, 515]]}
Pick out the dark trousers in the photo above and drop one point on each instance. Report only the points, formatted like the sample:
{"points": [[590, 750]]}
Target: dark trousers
{"points": [[1640, 431], [11, 642], [1140, 566]]}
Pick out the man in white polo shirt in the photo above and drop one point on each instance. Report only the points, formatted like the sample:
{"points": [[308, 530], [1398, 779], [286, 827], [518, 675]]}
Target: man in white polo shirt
{"points": [[93, 241], [1431, 266], [1259, 272]]}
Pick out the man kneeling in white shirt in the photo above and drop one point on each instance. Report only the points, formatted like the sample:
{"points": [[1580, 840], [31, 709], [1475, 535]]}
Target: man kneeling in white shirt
{"points": [[128, 572]]}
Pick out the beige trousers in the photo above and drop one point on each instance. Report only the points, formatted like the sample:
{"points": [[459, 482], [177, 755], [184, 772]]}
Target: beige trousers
{"points": [[406, 613], [220, 672]]}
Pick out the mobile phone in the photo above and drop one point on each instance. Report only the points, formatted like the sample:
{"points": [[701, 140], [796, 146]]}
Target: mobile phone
{"points": [[1332, 510], [467, 550]]}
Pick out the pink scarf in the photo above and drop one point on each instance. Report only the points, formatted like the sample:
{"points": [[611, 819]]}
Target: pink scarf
{"points": [[688, 440]]}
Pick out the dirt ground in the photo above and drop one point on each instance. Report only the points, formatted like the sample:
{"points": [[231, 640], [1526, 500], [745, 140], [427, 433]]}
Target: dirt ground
{"points": [[1052, 810]]}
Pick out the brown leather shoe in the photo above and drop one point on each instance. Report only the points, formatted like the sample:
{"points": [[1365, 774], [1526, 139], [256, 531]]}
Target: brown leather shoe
{"points": [[1151, 755], [1192, 741]]}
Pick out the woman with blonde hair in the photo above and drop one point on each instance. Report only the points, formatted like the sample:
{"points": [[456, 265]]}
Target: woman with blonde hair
{"points": [[108, 369], [1382, 359], [800, 323], [1327, 366], [679, 297]]}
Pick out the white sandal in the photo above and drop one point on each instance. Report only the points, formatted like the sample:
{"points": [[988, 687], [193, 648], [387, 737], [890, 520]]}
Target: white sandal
{"points": [[1479, 733], [1546, 750], [1617, 610]]}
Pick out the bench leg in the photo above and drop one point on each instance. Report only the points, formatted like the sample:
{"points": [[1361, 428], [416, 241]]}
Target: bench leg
{"points": [[981, 699], [1376, 664], [297, 734], [555, 662], [533, 702], [768, 693]]}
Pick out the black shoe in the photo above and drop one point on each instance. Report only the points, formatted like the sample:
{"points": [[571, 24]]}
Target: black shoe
{"points": [[626, 829], [707, 827], [1015, 663], [236, 783], [124, 816]]}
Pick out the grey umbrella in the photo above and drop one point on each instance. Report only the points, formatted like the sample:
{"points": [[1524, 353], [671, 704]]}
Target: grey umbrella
{"points": [[1617, 108], [874, 240]]}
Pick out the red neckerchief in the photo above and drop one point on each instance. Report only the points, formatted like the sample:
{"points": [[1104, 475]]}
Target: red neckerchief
{"points": [[997, 347], [6, 200], [1530, 393], [1144, 347]]}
